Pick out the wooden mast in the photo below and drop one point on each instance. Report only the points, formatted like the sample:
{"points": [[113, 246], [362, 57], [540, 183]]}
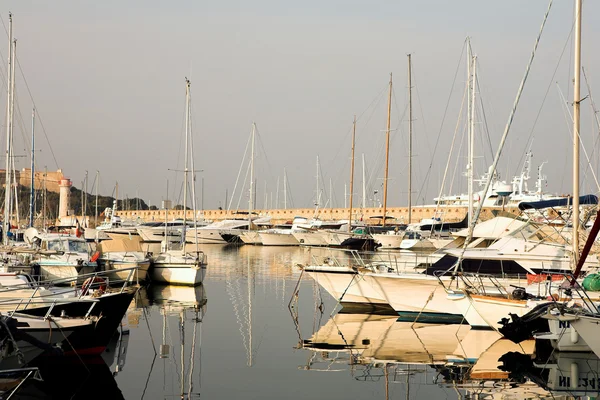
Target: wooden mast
{"points": [[352, 173], [387, 150]]}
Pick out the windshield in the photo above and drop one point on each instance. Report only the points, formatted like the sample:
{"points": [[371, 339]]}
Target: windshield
{"points": [[77, 247], [55, 245]]}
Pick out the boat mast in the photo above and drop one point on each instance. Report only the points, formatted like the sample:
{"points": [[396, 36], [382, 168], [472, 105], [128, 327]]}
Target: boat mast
{"points": [[387, 150], [6, 222], [276, 197], [352, 174], [97, 183], [318, 198], [194, 208], [32, 194], [284, 189], [185, 168], [85, 200], [364, 183], [471, 144], [410, 126], [44, 199], [251, 200], [576, 117]]}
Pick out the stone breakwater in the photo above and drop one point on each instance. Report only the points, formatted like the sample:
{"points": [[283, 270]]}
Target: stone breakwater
{"points": [[368, 215]]}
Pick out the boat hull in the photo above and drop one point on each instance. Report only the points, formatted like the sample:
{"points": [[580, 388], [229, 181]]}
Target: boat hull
{"points": [[278, 239], [110, 309], [345, 285], [178, 274]]}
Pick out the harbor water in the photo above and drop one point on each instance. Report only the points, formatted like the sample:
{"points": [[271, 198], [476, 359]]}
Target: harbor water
{"points": [[246, 333]]}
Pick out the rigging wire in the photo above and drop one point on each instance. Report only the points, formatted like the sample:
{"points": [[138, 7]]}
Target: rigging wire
{"points": [[538, 115], [568, 112], [428, 173], [38, 114]]}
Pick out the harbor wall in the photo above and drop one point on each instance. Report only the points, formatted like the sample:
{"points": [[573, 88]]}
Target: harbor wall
{"points": [[368, 215]]}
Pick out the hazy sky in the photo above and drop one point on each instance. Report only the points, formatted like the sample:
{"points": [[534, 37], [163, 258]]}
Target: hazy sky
{"points": [[108, 81]]}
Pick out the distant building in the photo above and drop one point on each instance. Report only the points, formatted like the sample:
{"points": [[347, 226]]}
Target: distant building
{"points": [[51, 178]]}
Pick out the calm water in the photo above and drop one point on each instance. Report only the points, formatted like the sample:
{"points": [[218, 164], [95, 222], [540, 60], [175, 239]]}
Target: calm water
{"points": [[235, 338]]}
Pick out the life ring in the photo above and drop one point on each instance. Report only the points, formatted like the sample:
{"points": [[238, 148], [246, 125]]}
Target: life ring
{"points": [[95, 256], [87, 285], [477, 197]]}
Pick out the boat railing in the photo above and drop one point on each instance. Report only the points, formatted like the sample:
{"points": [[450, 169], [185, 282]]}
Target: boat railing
{"points": [[24, 304], [100, 280], [93, 281]]}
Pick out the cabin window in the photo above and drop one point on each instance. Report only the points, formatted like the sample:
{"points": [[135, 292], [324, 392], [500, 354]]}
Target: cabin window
{"points": [[55, 245], [77, 247]]}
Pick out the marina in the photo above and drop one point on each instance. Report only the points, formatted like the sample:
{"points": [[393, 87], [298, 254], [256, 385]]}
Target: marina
{"points": [[456, 265]]}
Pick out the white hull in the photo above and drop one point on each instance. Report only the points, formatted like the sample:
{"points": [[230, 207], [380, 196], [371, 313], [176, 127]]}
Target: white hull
{"points": [[250, 237], [53, 272], [417, 244], [310, 238], [332, 238], [176, 268], [157, 235], [388, 241], [139, 275], [487, 311], [563, 336], [278, 239], [588, 328], [178, 274], [345, 285], [412, 292], [204, 236]]}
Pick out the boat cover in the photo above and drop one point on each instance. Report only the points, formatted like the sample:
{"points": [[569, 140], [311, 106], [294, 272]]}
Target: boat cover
{"points": [[587, 199]]}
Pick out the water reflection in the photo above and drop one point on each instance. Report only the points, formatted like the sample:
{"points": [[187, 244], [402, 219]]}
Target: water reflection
{"points": [[259, 344]]}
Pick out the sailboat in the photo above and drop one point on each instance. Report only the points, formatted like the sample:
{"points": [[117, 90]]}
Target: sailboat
{"points": [[181, 267]]}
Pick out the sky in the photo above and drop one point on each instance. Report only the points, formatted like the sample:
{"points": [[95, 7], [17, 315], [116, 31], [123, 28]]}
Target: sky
{"points": [[108, 82]]}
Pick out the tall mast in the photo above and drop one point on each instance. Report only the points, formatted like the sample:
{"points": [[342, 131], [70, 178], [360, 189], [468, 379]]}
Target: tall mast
{"points": [[6, 222], [12, 129], [96, 188], [276, 196], [185, 168], [352, 173], [44, 199], [194, 210], [32, 194], [364, 183], [331, 197], [410, 120], [82, 204], [471, 145], [85, 199], [576, 116], [318, 199], [284, 189], [387, 151], [251, 200]]}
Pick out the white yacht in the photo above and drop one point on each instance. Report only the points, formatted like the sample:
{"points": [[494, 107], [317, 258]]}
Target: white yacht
{"points": [[62, 255], [230, 228]]}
